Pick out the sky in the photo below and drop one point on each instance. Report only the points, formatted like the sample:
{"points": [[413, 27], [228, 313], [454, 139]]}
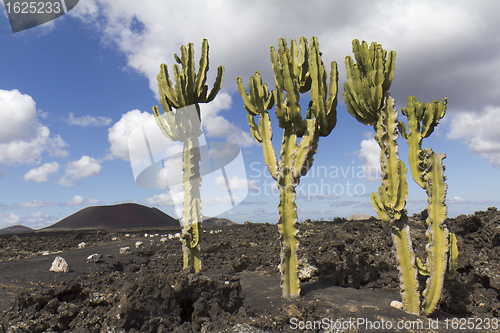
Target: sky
{"points": [[74, 90]]}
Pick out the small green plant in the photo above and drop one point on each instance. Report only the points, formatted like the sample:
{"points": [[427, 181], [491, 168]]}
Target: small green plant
{"points": [[189, 90], [368, 100], [294, 74]]}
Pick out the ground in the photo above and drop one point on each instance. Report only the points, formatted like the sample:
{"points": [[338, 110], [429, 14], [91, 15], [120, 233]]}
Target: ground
{"points": [[354, 280]]}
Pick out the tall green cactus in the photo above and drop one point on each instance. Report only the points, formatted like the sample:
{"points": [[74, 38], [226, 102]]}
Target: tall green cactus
{"points": [[428, 172], [189, 89], [367, 99], [294, 74]]}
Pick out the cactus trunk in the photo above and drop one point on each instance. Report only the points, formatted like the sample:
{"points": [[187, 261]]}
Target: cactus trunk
{"points": [[400, 233], [191, 214]]}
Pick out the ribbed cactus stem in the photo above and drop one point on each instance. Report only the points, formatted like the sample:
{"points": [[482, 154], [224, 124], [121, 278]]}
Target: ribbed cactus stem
{"points": [[437, 234], [191, 214], [428, 172]]}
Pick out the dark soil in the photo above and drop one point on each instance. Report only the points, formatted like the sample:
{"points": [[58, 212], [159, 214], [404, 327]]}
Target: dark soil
{"points": [[238, 289]]}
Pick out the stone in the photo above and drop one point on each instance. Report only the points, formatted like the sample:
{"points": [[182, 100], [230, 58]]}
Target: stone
{"points": [[82, 245], [397, 305], [305, 270], [59, 265], [125, 250], [138, 244], [94, 258]]}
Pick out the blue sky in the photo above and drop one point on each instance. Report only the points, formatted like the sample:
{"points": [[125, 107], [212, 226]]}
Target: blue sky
{"points": [[72, 90]]}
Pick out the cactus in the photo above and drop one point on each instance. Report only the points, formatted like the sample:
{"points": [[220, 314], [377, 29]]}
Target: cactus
{"points": [[367, 99], [190, 89], [294, 74], [428, 172]]}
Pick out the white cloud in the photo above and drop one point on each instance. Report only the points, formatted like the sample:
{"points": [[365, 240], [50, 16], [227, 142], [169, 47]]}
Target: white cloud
{"points": [[160, 200], [93, 201], [40, 174], [83, 168], [236, 183], [216, 125], [9, 219], [118, 134], [34, 204], [75, 201], [455, 200], [480, 132], [22, 138], [369, 154], [88, 120]]}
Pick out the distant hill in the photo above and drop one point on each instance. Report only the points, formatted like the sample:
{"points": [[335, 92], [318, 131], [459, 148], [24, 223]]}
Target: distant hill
{"points": [[215, 221], [15, 229], [124, 216]]}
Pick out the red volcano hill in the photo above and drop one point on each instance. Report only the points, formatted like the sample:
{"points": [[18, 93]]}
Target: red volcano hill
{"points": [[15, 229], [121, 216]]}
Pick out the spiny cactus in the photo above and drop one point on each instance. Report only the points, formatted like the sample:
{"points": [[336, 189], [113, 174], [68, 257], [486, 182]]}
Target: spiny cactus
{"points": [[428, 172], [184, 125], [294, 74], [367, 99]]}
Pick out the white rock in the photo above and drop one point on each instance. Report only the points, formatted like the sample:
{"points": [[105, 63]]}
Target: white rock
{"points": [[137, 244], [397, 304], [45, 253], [163, 239], [114, 238], [151, 236], [127, 235], [145, 235], [177, 235], [125, 250], [59, 265], [96, 257], [305, 270], [82, 245]]}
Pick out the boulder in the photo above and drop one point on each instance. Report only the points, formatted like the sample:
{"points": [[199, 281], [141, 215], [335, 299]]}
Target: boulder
{"points": [[59, 265], [94, 258], [125, 250]]}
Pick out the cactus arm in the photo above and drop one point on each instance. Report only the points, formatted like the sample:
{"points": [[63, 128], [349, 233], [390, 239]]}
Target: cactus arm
{"points": [[266, 132], [201, 77], [437, 235], [250, 105], [331, 103], [451, 269], [393, 170], [217, 84], [254, 128], [166, 89], [161, 123], [379, 207], [389, 65], [292, 91], [306, 150]]}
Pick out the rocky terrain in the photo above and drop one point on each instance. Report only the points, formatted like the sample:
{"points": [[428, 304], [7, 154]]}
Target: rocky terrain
{"points": [[348, 271]]}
